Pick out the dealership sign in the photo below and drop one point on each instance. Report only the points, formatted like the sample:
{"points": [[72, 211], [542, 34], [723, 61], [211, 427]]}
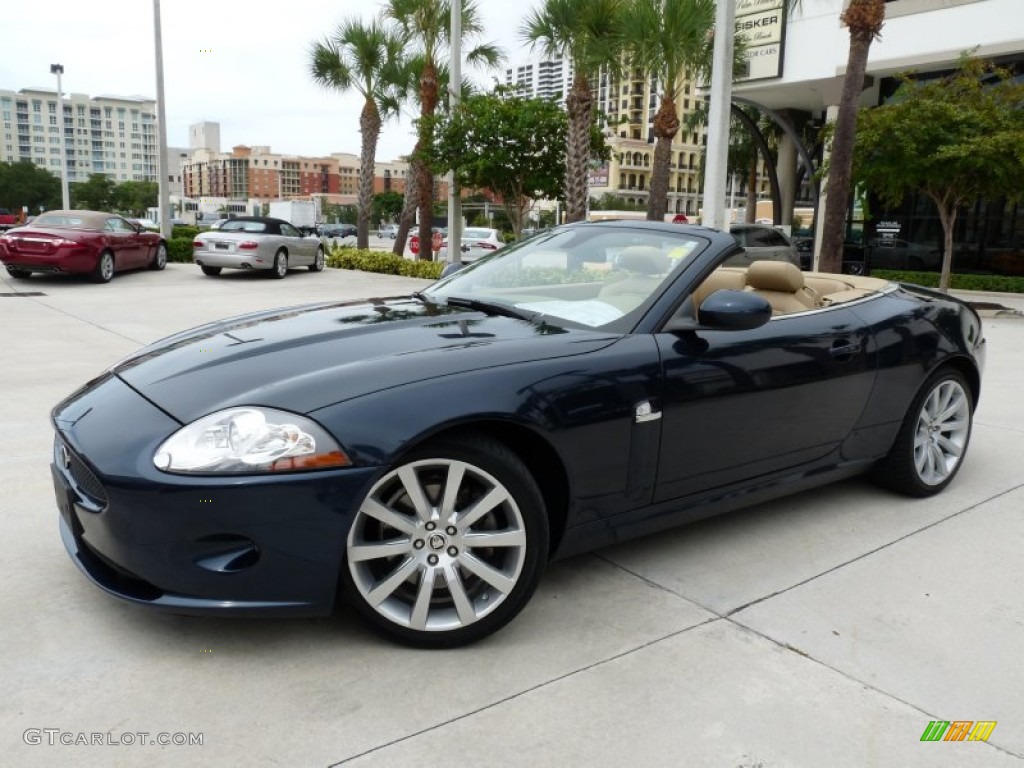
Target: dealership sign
{"points": [[762, 25]]}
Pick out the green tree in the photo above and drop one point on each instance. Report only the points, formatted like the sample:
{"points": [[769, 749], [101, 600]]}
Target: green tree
{"points": [[134, 197], [387, 206], [509, 145], [954, 139], [864, 19], [26, 184], [670, 41], [95, 194], [589, 34], [367, 58], [426, 24]]}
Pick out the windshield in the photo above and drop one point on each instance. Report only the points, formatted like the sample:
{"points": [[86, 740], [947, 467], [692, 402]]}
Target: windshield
{"points": [[592, 276], [243, 225]]}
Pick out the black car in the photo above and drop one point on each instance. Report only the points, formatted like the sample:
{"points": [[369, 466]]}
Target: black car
{"points": [[425, 456]]}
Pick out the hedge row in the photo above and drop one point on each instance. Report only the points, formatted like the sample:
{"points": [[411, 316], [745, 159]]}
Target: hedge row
{"points": [[384, 263], [997, 283], [180, 249]]}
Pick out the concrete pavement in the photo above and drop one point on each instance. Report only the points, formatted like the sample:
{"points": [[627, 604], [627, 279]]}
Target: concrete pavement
{"points": [[826, 629]]}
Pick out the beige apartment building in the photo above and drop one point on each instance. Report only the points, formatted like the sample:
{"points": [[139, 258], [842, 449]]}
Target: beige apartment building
{"points": [[112, 135]]}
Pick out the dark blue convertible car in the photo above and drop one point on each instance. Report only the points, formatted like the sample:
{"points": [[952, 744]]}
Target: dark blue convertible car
{"points": [[425, 456]]}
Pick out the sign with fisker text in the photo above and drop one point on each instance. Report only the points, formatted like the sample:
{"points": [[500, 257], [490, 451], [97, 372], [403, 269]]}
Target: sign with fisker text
{"points": [[762, 26]]}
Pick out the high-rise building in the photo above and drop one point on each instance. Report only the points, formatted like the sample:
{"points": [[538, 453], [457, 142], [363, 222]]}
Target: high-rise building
{"points": [[541, 77], [112, 135]]}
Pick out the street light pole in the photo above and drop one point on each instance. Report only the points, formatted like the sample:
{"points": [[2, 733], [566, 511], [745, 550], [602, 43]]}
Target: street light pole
{"points": [[454, 97], [161, 127], [717, 156], [58, 70]]}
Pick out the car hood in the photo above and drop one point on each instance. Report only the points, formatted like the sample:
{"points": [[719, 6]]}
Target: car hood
{"points": [[304, 358]]}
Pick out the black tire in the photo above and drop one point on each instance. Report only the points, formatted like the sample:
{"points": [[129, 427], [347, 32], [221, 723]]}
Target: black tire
{"points": [[280, 267], [104, 270], [930, 447], [452, 550], [211, 271], [318, 261], [159, 260], [19, 274]]}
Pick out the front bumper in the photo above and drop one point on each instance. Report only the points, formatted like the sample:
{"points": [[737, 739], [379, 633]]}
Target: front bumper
{"points": [[240, 545]]}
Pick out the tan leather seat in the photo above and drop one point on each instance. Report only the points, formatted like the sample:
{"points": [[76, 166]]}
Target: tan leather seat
{"points": [[644, 267], [723, 278], [782, 285]]}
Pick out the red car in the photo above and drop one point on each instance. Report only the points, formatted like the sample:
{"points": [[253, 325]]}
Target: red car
{"points": [[81, 242]]}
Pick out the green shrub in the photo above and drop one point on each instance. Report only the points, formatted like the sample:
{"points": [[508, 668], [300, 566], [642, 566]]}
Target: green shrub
{"points": [[179, 249], [183, 231], [997, 283], [383, 263]]}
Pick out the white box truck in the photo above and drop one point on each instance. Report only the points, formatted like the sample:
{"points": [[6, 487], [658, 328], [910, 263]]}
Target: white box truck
{"points": [[298, 213]]}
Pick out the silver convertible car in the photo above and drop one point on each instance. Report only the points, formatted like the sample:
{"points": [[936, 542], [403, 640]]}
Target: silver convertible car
{"points": [[255, 242]]}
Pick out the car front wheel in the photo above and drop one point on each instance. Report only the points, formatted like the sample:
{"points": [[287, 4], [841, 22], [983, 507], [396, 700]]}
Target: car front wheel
{"points": [[280, 268], [159, 260], [211, 271], [933, 439], [449, 545], [318, 261], [104, 270]]}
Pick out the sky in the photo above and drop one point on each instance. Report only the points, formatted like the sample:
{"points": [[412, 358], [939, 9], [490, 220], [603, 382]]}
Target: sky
{"points": [[223, 62]]}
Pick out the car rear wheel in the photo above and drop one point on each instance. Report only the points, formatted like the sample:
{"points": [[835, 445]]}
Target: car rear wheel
{"points": [[448, 546], [318, 261], [104, 270], [933, 439], [159, 260], [280, 268], [211, 271], [20, 274]]}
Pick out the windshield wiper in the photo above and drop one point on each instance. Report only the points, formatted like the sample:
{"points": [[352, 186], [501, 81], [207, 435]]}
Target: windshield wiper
{"points": [[490, 307]]}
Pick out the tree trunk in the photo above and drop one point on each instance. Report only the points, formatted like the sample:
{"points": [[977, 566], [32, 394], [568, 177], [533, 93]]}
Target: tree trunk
{"points": [[579, 105], [666, 126], [369, 127], [864, 18], [407, 217], [947, 215], [751, 205], [429, 90]]}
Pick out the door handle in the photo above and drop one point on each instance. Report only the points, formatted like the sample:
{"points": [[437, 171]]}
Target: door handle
{"points": [[844, 349]]}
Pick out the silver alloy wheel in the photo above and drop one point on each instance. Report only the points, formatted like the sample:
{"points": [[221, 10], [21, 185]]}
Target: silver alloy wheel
{"points": [[106, 267], [281, 264], [318, 260], [161, 257], [943, 426], [437, 545]]}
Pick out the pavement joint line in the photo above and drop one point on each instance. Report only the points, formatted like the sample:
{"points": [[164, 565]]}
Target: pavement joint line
{"points": [[525, 691], [729, 618], [870, 552], [83, 320], [893, 697], [997, 426]]}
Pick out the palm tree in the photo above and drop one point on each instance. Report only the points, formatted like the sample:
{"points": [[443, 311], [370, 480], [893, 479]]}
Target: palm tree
{"points": [[864, 19], [426, 24], [669, 40], [589, 34], [367, 58]]}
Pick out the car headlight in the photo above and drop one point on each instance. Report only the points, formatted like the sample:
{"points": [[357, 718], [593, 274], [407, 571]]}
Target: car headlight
{"points": [[249, 440]]}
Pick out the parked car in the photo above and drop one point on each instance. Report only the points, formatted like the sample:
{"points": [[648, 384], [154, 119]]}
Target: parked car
{"points": [[476, 242], [257, 242], [425, 456], [89, 243], [762, 242], [338, 234], [388, 230]]}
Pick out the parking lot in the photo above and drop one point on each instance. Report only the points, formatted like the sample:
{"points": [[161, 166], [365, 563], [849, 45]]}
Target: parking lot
{"points": [[826, 629]]}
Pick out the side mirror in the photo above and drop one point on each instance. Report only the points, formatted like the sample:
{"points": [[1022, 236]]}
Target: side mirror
{"points": [[726, 310]]}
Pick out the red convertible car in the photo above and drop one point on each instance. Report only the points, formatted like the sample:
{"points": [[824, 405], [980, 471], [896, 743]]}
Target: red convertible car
{"points": [[81, 242]]}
